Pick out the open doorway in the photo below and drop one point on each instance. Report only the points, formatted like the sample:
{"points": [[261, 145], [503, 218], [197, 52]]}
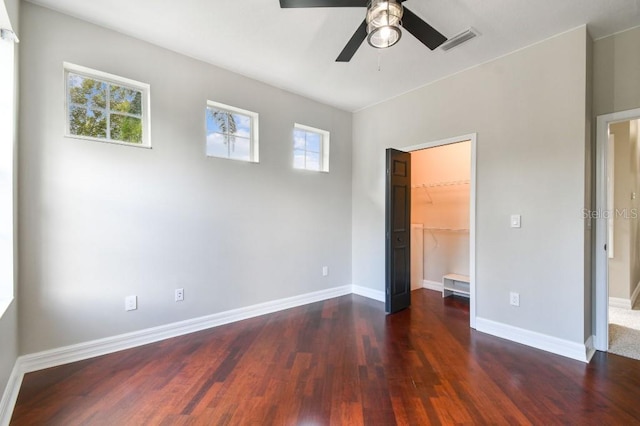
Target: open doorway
{"points": [[617, 250], [442, 237], [440, 206]]}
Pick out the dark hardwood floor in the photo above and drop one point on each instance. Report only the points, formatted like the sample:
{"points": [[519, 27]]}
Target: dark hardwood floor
{"points": [[338, 362]]}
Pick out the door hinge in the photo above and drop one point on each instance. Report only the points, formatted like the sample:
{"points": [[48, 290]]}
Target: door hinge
{"points": [[605, 247]]}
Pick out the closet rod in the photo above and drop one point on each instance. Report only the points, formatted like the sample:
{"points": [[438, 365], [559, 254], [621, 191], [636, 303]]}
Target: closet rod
{"points": [[436, 184]]}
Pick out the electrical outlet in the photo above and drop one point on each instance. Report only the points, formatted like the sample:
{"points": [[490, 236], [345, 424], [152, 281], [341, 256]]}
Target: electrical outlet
{"points": [[130, 303], [325, 271], [514, 299], [179, 294]]}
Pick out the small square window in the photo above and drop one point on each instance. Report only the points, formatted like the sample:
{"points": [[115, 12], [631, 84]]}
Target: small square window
{"points": [[105, 107], [310, 148], [231, 132]]}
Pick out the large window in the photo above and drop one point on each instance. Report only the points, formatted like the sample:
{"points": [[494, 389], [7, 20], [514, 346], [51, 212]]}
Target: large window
{"points": [[231, 132], [107, 108], [7, 126], [310, 148]]}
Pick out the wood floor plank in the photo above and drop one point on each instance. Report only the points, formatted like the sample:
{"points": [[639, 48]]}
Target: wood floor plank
{"points": [[337, 362]]}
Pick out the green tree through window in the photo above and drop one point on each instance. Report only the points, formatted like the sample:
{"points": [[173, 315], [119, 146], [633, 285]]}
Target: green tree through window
{"points": [[103, 110]]}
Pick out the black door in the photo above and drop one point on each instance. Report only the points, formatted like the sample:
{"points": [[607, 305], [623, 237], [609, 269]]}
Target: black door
{"points": [[398, 223]]}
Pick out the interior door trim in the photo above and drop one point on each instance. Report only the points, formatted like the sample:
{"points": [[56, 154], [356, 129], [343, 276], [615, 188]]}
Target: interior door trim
{"points": [[600, 259]]}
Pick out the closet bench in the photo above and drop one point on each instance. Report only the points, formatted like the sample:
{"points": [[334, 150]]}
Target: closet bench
{"points": [[455, 283]]}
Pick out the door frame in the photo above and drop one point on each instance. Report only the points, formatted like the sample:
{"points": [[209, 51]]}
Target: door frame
{"points": [[601, 261], [473, 138]]}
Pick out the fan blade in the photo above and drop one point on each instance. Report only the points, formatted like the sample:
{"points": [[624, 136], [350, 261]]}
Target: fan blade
{"points": [[323, 3], [353, 44], [424, 32]]}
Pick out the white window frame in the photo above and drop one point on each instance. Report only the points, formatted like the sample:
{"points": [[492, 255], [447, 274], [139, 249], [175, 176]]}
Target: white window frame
{"points": [[254, 145], [325, 138], [7, 170], [117, 80]]}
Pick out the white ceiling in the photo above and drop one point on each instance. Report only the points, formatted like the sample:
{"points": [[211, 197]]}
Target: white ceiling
{"points": [[295, 49]]}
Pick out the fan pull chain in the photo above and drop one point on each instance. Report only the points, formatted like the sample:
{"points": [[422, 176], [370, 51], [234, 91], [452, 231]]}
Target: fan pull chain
{"points": [[379, 56]]}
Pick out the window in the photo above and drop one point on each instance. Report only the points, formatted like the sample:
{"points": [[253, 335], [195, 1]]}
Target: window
{"points": [[310, 148], [231, 132], [105, 107], [7, 172]]}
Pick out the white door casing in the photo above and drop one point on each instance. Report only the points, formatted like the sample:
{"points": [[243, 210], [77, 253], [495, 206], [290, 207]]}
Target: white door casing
{"points": [[601, 266]]}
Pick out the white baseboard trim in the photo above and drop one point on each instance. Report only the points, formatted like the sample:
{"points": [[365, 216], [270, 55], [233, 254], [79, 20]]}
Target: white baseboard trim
{"points": [[81, 351], [590, 347], [368, 292], [85, 350], [635, 295], [432, 285], [10, 395], [618, 302], [534, 339]]}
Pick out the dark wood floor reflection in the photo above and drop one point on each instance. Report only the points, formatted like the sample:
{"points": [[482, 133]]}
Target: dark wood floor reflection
{"points": [[338, 362]]}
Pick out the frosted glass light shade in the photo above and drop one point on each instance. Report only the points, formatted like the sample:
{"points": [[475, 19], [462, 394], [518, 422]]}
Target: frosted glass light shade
{"points": [[383, 37], [384, 12], [383, 23]]}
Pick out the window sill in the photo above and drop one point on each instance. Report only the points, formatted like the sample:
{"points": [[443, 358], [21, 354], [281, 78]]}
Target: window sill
{"points": [[4, 306], [239, 160], [111, 141], [311, 170]]}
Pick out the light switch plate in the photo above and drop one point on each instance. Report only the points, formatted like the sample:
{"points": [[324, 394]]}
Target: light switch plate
{"points": [[130, 303], [514, 299], [515, 221]]}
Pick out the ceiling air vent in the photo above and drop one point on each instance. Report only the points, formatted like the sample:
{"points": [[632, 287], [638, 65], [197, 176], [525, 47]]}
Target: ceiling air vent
{"points": [[458, 39]]}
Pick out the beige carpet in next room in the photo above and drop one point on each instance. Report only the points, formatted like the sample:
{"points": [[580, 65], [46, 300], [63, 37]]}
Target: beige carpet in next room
{"points": [[624, 331]]}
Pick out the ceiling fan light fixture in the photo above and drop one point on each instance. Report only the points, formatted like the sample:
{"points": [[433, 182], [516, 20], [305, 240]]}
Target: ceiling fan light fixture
{"points": [[383, 23], [384, 12], [383, 37]]}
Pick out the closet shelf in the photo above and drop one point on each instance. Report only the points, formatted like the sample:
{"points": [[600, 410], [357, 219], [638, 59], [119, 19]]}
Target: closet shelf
{"points": [[427, 228], [437, 185]]}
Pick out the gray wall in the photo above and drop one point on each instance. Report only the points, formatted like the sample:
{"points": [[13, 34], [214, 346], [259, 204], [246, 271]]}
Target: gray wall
{"points": [[616, 85], [616, 66], [528, 109], [9, 346], [195, 222], [102, 221], [9, 320]]}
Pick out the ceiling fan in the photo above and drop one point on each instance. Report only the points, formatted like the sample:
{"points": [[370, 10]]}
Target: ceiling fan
{"points": [[381, 27]]}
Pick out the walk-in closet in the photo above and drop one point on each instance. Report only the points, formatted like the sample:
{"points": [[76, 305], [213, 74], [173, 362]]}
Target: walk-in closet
{"points": [[440, 206]]}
